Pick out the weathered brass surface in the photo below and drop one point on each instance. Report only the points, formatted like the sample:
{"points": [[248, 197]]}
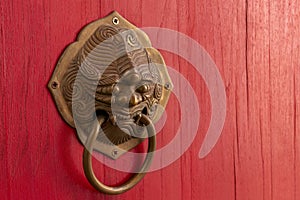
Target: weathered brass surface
{"points": [[111, 85], [116, 66], [137, 177]]}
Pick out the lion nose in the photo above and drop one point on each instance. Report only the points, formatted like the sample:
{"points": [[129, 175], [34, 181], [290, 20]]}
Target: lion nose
{"points": [[135, 99]]}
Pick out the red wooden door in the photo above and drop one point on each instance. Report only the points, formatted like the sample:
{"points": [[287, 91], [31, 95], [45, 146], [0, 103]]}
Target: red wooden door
{"points": [[255, 45]]}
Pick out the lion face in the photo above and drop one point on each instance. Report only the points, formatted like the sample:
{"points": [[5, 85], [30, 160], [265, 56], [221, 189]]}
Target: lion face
{"points": [[111, 72], [117, 77]]}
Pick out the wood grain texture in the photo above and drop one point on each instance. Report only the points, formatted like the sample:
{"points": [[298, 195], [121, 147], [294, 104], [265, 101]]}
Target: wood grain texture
{"points": [[256, 46]]}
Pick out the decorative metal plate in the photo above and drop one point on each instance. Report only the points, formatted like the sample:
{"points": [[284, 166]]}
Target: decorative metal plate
{"points": [[111, 70]]}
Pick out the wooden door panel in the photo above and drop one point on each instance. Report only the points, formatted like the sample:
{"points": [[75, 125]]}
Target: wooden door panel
{"points": [[255, 45]]}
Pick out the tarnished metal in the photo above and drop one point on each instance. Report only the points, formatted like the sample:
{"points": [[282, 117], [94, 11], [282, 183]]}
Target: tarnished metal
{"points": [[131, 182], [134, 63], [111, 72]]}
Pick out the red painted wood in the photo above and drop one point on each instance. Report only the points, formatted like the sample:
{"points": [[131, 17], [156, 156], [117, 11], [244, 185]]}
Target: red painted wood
{"points": [[255, 45]]}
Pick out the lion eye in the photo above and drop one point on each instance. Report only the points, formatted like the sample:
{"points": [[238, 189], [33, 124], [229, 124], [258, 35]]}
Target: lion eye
{"points": [[143, 89]]}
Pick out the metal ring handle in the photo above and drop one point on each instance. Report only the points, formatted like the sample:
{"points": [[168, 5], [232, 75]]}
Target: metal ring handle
{"points": [[88, 167]]}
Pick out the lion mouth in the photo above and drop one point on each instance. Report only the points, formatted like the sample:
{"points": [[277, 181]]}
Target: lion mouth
{"points": [[131, 122], [138, 116]]}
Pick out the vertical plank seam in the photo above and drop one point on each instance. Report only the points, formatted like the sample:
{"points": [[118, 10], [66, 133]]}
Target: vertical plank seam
{"points": [[8, 192], [236, 143], [235, 176], [295, 125], [261, 148], [179, 68], [295, 117], [294, 105], [247, 69], [261, 152], [270, 99], [295, 135]]}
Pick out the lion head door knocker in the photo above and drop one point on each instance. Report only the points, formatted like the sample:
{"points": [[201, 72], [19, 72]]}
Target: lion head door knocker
{"points": [[111, 85]]}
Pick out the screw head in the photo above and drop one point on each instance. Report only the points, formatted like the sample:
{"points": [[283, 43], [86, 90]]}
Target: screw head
{"points": [[114, 153], [54, 85], [115, 21], [168, 86]]}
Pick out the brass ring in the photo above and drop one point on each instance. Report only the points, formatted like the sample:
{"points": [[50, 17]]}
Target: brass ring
{"points": [[88, 167]]}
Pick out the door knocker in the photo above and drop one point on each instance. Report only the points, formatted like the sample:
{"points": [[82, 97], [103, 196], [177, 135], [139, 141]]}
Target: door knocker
{"points": [[112, 86]]}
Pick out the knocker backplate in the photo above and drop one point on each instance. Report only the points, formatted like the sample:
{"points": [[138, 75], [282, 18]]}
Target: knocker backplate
{"points": [[111, 63]]}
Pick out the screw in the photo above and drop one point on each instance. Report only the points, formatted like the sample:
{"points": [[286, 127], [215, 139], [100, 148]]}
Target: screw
{"points": [[115, 21], [114, 153], [168, 86], [54, 85]]}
